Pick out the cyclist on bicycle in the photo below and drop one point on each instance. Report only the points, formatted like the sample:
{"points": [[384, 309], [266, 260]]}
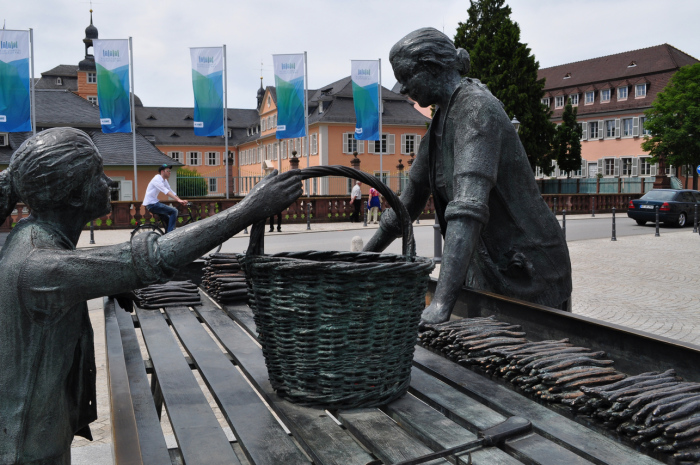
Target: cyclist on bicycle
{"points": [[159, 183]]}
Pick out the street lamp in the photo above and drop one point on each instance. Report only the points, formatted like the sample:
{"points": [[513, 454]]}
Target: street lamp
{"points": [[515, 123]]}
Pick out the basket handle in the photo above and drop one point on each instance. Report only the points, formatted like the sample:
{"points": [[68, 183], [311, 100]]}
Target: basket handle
{"points": [[408, 245]]}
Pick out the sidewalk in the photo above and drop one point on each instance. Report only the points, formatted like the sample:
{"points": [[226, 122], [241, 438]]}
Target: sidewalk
{"points": [[642, 282]]}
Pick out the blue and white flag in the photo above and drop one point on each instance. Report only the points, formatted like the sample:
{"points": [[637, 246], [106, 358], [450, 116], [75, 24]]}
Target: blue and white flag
{"points": [[113, 90], [208, 85], [365, 95], [289, 80], [15, 101]]}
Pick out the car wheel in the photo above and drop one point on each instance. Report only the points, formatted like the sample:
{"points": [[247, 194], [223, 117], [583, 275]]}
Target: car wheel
{"points": [[681, 220], [641, 222]]}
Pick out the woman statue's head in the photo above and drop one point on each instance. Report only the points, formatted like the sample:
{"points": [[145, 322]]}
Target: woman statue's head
{"points": [[56, 169], [426, 60]]}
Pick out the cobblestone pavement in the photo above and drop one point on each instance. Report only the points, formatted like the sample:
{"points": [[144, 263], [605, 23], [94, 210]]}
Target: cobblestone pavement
{"points": [[643, 282], [647, 283]]}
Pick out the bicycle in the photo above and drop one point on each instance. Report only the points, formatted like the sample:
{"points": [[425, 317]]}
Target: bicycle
{"points": [[186, 216]]}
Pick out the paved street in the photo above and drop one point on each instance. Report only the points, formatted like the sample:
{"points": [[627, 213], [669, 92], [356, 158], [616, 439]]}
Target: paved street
{"points": [[640, 281]]}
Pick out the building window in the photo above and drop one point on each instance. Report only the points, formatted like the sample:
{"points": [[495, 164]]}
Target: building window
{"points": [[193, 159], [384, 175], [314, 144], [626, 167], [627, 127], [176, 156], [644, 166], [269, 100], [386, 145], [283, 149], [622, 93], [605, 95], [3, 140], [573, 99], [349, 143], [409, 143], [559, 101], [590, 97], [545, 102], [212, 158], [212, 184], [609, 167], [274, 121], [643, 130], [91, 78], [263, 124], [640, 90], [610, 129], [593, 130], [59, 81], [92, 99]]}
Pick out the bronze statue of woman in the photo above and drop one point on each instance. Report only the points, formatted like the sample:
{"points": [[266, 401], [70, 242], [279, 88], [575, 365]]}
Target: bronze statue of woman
{"points": [[47, 373], [499, 233]]}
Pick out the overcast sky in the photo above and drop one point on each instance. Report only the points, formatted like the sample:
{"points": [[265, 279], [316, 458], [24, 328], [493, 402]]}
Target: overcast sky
{"points": [[332, 32]]}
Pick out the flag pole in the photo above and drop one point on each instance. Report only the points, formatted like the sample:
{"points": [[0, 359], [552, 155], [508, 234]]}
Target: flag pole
{"points": [[306, 120], [133, 120], [31, 86], [226, 122], [379, 109]]}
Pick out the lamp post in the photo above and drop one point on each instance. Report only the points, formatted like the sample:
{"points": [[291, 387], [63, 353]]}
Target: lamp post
{"points": [[515, 123], [410, 163]]}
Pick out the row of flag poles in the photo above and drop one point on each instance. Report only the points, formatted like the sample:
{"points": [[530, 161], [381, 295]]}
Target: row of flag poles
{"points": [[115, 96]]}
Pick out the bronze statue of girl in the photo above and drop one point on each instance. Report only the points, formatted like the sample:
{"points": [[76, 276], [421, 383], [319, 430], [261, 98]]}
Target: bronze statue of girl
{"points": [[47, 374]]}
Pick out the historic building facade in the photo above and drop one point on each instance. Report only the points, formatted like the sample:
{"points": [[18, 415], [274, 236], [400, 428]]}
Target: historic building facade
{"points": [[611, 94]]}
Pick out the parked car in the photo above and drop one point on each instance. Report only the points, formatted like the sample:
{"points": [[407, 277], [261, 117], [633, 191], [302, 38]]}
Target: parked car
{"points": [[676, 207]]}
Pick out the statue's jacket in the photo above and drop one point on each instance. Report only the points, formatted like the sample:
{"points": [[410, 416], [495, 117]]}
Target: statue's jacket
{"points": [[477, 168], [47, 376]]}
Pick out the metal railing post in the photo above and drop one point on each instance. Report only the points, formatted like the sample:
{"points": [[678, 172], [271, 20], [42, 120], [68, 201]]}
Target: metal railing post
{"points": [[593, 207], [657, 221], [365, 215], [437, 241], [555, 206], [308, 215], [614, 236], [92, 232], [563, 222], [695, 219]]}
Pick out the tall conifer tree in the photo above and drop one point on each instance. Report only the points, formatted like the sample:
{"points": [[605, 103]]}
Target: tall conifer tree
{"points": [[501, 61], [566, 149]]}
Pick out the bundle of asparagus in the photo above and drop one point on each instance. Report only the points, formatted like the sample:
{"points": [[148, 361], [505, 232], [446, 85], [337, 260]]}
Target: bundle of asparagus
{"points": [[223, 278], [170, 294], [656, 411], [550, 370]]}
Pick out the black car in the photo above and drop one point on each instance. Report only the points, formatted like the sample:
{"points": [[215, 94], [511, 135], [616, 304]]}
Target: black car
{"points": [[676, 207]]}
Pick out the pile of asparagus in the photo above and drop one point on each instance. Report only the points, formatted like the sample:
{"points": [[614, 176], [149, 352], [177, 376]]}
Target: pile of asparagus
{"points": [[223, 278], [656, 411], [170, 294]]}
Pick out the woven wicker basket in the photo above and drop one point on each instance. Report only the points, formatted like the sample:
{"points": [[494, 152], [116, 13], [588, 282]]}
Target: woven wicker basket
{"points": [[338, 329]]}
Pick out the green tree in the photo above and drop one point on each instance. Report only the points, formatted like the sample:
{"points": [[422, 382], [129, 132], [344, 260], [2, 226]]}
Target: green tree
{"points": [[508, 68], [674, 121], [190, 183], [566, 149]]}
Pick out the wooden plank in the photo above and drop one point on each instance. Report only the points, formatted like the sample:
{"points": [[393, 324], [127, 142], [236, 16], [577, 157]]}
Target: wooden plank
{"points": [[258, 432], [383, 437], [195, 426], [321, 438], [463, 410], [567, 433], [439, 433], [151, 439], [244, 316], [125, 437], [536, 450]]}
